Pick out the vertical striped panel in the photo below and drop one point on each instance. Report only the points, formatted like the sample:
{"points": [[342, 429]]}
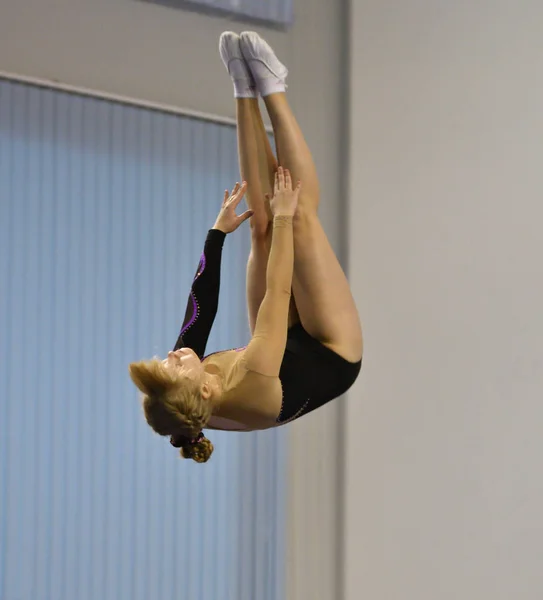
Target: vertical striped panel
{"points": [[278, 12], [103, 213], [273, 11]]}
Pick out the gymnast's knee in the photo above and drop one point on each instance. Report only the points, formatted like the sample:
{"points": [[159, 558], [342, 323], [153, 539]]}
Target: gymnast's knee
{"points": [[260, 230], [305, 219], [308, 206]]}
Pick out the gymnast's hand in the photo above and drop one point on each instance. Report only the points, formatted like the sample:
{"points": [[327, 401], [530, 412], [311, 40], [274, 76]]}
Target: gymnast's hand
{"points": [[227, 219], [285, 199]]}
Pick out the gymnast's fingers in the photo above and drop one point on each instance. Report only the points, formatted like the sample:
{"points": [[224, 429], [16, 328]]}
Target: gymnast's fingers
{"points": [[246, 215], [238, 196], [281, 178], [288, 180]]}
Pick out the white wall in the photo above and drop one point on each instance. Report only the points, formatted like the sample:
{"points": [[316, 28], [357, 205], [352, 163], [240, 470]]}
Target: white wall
{"points": [[444, 443], [158, 54]]}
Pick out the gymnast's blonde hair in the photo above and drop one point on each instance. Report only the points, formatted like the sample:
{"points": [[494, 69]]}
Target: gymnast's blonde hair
{"points": [[173, 405]]}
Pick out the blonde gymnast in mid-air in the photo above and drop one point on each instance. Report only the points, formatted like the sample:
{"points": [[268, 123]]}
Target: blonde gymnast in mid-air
{"points": [[306, 345]]}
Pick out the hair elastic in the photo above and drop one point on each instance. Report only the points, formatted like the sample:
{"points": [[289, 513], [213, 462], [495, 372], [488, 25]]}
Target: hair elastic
{"points": [[179, 441]]}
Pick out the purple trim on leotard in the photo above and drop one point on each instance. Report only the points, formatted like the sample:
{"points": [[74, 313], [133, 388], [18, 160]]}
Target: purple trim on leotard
{"points": [[202, 264], [201, 269], [194, 314]]}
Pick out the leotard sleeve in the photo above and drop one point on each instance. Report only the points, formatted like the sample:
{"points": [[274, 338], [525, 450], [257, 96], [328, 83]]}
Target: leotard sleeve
{"points": [[203, 300]]}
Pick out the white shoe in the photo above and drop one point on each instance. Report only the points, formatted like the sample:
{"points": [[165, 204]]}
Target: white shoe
{"points": [[269, 73], [232, 57]]}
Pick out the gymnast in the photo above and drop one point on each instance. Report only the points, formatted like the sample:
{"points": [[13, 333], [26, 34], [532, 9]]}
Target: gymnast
{"points": [[306, 344]]}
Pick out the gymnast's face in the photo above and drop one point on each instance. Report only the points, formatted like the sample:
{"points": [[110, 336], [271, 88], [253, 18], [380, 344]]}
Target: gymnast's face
{"points": [[186, 362]]}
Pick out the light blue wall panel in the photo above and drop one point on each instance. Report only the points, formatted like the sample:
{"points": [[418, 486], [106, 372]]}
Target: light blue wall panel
{"points": [[103, 212], [274, 12]]}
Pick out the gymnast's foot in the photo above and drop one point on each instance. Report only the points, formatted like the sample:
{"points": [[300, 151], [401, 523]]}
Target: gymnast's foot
{"points": [[269, 73], [230, 50]]}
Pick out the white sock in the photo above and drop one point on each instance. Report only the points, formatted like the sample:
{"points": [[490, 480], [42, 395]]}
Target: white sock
{"points": [[242, 79], [266, 82], [244, 85], [268, 72]]}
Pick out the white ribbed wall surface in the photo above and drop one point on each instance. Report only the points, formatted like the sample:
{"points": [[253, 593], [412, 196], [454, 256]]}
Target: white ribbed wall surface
{"points": [[103, 213]]}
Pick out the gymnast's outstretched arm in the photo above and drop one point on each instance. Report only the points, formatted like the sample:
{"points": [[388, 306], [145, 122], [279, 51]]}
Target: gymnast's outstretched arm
{"points": [[203, 301], [265, 351]]}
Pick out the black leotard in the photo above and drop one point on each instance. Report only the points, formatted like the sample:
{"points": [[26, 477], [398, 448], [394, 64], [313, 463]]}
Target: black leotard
{"points": [[311, 374]]}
